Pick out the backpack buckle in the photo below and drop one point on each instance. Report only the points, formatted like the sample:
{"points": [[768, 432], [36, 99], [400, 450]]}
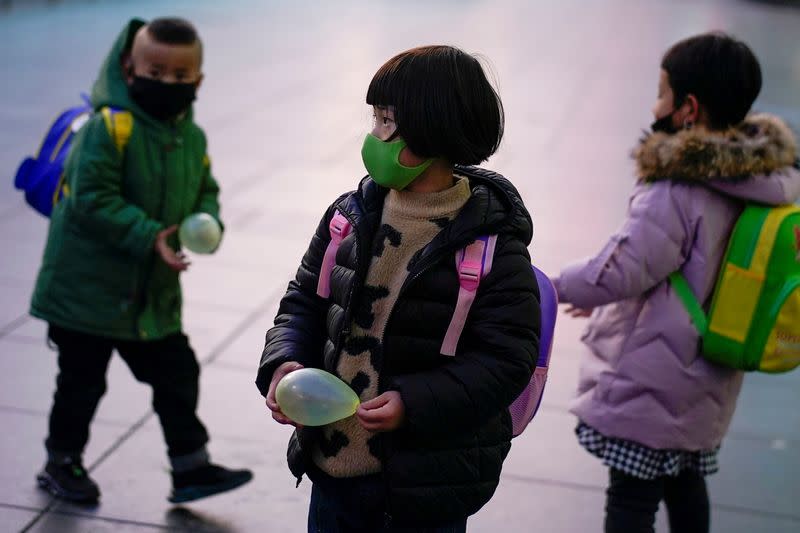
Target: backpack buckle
{"points": [[339, 227], [469, 275]]}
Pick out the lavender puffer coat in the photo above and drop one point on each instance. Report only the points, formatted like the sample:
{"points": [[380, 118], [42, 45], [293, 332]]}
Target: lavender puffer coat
{"points": [[642, 378]]}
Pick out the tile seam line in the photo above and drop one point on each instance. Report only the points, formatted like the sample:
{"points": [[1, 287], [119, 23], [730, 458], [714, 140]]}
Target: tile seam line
{"points": [[112, 520]]}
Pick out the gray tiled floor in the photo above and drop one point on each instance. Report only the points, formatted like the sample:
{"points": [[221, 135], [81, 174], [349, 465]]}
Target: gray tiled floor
{"points": [[283, 106]]}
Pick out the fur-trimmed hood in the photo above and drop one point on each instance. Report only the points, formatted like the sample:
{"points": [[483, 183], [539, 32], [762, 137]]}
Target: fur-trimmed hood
{"points": [[760, 145]]}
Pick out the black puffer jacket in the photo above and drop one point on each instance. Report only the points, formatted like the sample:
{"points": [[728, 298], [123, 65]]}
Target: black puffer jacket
{"points": [[445, 462]]}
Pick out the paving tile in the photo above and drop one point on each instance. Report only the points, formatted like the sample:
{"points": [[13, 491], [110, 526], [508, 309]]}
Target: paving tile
{"points": [[232, 408], [753, 475], [15, 519], [244, 351], [519, 507], [759, 412]]}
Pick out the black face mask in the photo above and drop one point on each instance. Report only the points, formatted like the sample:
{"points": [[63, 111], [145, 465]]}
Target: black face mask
{"points": [[664, 124], [161, 100]]}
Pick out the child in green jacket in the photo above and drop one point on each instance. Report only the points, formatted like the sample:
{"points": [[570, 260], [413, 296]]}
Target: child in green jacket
{"points": [[110, 274]]}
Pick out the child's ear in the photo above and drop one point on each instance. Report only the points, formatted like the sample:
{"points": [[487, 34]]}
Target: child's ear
{"points": [[199, 81], [692, 109]]}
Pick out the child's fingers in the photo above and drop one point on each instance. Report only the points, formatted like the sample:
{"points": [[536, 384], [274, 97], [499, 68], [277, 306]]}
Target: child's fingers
{"points": [[379, 414], [174, 261], [375, 403], [272, 405], [177, 265], [277, 376], [369, 421], [282, 419], [577, 312], [170, 230], [285, 420]]}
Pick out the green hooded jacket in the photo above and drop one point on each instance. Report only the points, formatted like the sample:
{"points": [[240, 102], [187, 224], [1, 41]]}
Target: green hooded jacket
{"points": [[100, 273]]}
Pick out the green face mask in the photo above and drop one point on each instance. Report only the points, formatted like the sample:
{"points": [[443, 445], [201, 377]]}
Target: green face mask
{"points": [[382, 160]]}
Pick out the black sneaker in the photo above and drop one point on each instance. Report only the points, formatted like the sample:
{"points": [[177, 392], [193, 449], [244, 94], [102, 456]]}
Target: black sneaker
{"points": [[205, 481], [69, 481]]}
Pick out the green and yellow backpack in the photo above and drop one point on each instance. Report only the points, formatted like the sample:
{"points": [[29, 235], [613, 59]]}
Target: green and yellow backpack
{"points": [[754, 319]]}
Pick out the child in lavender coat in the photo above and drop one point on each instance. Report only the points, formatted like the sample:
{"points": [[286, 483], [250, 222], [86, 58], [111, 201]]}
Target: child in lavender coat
{"points": [[649, 406]]}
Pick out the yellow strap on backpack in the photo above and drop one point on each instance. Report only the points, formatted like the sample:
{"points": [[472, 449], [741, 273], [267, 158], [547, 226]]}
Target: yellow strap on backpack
{"points": [[119, 125]]}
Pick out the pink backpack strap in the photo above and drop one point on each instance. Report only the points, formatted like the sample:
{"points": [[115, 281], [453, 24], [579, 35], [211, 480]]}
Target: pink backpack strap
{"points": [[340, 228], [473, 264]]}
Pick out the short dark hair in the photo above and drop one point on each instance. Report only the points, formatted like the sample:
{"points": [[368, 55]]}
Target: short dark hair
{"points": [[720, 71], [173, 30], [444, 106]]}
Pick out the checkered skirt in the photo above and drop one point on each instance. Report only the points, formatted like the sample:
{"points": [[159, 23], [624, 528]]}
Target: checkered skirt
{"points": [[642, 462]]}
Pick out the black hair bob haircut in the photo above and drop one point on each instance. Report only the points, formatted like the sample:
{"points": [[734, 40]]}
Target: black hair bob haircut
{"points": [[444, 106], [720, 71]]}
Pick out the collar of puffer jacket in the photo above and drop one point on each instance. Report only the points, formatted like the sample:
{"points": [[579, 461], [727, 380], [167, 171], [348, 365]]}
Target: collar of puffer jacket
{"points": [[761, 144]]}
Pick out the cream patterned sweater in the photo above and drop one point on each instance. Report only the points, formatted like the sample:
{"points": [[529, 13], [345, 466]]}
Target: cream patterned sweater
{"points": [[410, 220]]}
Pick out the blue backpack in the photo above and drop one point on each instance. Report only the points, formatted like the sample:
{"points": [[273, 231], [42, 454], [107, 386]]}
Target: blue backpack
{"points": [[42, 177]]}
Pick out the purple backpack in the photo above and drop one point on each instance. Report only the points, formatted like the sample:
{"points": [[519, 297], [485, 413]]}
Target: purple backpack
{"points": [[473, 263]]}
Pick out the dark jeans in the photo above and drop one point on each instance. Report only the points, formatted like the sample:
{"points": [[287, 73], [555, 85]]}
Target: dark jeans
{"points": [[359, 509], [168, 365], [632, 503]]}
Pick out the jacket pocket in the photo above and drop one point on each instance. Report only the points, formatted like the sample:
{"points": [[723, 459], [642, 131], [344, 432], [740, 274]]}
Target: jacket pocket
{"points": [[598, 265]]}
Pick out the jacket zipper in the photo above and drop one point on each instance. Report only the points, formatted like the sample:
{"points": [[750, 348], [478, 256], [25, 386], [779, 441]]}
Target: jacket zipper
{"points": [[433, 259]]}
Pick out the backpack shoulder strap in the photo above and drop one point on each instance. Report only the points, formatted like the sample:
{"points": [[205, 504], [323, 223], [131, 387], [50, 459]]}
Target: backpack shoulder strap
{"points": [[684, 293], [119, 124], [473, 264], [339, 227]]}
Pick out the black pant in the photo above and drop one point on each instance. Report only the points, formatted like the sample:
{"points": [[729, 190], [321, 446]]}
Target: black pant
{"points": [[632, 503], [168, 365]]}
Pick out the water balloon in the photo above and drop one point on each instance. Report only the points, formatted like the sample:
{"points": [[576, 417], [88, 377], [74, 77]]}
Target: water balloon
{"points": [[200, 233], [313, 397]]}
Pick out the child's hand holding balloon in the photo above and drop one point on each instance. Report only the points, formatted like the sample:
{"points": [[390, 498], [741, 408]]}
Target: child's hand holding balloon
{"points": [[387, 412], [272, 403], [174, 260]]}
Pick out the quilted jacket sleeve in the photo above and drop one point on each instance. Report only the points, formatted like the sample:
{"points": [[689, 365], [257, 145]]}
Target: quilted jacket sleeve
{"points": [[495, 357], [652, 243], [95, 178]]}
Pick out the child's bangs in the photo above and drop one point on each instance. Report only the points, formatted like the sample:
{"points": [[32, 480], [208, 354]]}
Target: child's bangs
{"points": [[385, 86]]}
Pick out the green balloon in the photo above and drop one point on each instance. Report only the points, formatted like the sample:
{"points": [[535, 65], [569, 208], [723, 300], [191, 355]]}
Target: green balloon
{"points": [[313, 397], [200, 233]]}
